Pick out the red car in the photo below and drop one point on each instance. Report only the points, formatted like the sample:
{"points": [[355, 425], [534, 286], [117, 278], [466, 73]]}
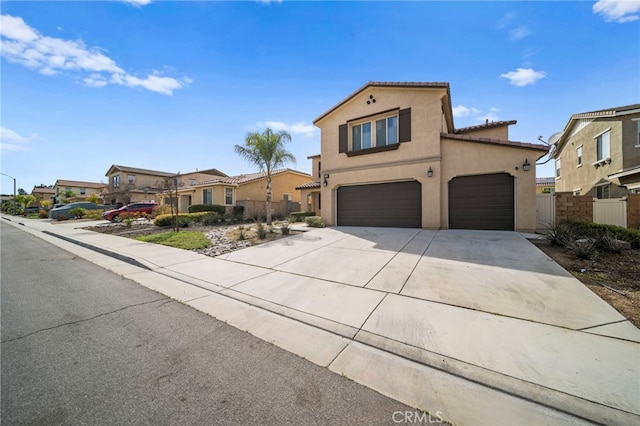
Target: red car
{"points": [[115, 215]]}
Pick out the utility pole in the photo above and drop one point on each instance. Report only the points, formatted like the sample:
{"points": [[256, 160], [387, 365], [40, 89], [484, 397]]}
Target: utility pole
{"points": [[14, 189]]}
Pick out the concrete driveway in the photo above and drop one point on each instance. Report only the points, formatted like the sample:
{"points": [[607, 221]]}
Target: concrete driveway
{"points": [[479, 326]]}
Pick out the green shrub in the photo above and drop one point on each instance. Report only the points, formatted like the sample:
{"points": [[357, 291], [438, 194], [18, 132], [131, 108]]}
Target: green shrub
{"points": [[315, 222], [300, 216], [285, 228], [597, 230], [560, 234], [211, 219], [197, 208], [93, 214], [160, 210], [78, 212], [184, 219], [261, 230], [42, 214], [238, 211]]}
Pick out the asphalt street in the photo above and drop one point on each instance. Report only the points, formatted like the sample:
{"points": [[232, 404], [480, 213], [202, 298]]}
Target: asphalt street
{"points": [[82, 345]]}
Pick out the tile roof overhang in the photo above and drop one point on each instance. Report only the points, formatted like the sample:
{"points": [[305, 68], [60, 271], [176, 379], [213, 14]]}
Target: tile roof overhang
{"points": [[128, 169], [309, 185], [543, 149], [488, 125], [81, 184]]}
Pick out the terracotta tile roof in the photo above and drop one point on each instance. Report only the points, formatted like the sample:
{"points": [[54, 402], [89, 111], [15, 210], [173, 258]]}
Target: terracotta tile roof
{"points": [[128, 169], [43, 190], [313, 156], [242, 179], [513, 144], [545, 181], [609, 112], [435, 85], [77, 183], [487, 125], [309, 185]]}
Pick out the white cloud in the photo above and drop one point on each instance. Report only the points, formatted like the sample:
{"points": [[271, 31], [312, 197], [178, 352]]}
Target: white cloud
{"points": [[463, 111], [137, 3], [519, 33], [618, 10], [302, 128], [12, 141], [524, 76], [23, 45]]}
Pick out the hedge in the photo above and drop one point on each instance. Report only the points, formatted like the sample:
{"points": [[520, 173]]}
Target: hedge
{"points": [[300, 216], [196, 208], [184, 218]]}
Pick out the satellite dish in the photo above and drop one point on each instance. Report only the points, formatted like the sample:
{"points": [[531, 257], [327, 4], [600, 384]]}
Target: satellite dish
{"points": [[555, 137]]}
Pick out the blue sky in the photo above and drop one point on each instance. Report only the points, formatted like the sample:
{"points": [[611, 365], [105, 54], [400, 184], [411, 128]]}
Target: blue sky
{"points": [[173, 86]]}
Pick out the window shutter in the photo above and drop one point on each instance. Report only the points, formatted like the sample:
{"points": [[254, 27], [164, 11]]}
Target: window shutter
{"points": [[343, 138], [404, 125]]}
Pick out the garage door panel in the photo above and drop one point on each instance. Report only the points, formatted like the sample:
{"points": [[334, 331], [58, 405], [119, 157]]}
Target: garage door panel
{"points": [[482, 202], [397, 204]]}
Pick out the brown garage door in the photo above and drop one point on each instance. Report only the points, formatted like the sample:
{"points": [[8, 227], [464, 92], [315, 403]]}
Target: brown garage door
{"points": [[481, 202], [397, 205]]}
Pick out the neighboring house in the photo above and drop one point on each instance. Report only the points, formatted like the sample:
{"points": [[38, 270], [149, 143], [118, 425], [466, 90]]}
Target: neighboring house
{"points": [[391, 156], [43, 193], [545, 185], [310, 198], [81, 190], [246, 190], [598, 153], [132, 184]]}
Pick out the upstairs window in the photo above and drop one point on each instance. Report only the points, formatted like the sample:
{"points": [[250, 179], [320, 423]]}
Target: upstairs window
{"points": [[602, 146], [579, 155], [116, 181], [192, 182], [637, 120], [83, 191], [131, 179], [374, 133], [558, 165]]}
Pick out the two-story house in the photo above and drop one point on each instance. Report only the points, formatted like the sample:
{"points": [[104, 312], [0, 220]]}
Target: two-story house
{"points": [[391, 156], [132, 184], [73, 190], [598, 153]]}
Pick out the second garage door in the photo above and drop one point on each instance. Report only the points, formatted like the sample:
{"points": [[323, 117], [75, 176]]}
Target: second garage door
{"points": [[397, 205], [482, 202]]}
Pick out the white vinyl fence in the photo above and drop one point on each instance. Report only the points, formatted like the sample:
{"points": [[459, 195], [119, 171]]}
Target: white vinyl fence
{"points": [[612, 211], [545, 211]]}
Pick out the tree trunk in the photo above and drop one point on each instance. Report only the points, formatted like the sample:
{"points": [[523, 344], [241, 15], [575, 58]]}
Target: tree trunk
{"points": [[268, 202]]}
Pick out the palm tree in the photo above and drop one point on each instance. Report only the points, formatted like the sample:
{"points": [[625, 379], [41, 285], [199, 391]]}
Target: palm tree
{"points": [[266, 151]]}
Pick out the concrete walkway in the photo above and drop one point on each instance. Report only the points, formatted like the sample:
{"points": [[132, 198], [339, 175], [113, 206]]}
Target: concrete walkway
{"points": [[479, 327]]}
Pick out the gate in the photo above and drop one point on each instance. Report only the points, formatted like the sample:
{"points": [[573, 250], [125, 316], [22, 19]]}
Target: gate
{"points": [[610, 211], [545, 211]]}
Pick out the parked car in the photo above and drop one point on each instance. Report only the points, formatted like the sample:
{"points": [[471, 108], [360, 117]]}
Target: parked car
{"points": [[63, 212], [116, 215]]}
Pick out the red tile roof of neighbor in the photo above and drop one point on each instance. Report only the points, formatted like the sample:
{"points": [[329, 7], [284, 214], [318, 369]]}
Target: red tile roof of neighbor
{"points": [[242, 179], [309, 185], [545, 181], [513, 144], [608, 112], [81, 184]]}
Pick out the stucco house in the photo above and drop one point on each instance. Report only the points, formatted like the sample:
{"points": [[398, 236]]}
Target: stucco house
{"points": [[545, 185], [391, 156], [43, 193], [132, 184], [598, 153], [248, 190], [81, 190]]}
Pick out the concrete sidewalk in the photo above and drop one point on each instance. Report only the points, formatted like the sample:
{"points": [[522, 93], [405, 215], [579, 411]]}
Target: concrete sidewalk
{"points": [[478, 326]]}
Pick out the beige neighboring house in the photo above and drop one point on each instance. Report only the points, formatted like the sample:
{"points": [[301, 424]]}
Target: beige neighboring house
{"points": [[598, 153], [43, 193], [545, 185], [132, 184], [391, 156], [310, 198], [248, 190], [81, 190]]}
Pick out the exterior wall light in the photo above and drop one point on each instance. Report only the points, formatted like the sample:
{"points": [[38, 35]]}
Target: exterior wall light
{"points": [[430, 172], [324, 182], [526, 166]]}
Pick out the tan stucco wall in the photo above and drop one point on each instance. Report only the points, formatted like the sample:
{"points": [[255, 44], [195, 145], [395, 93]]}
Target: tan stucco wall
{"points": [[140, 180], [573, 177], [218, 193], [630, 144], [501, 133], [309, 200], [460, 158], [283, 183]]}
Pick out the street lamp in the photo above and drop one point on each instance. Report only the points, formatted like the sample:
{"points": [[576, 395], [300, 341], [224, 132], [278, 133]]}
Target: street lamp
{"points": [[14, 189]]}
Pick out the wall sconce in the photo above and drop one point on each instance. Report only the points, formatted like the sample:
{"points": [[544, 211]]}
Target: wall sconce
{"points": [[324, 182], [526, 166], [430, 172]]}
